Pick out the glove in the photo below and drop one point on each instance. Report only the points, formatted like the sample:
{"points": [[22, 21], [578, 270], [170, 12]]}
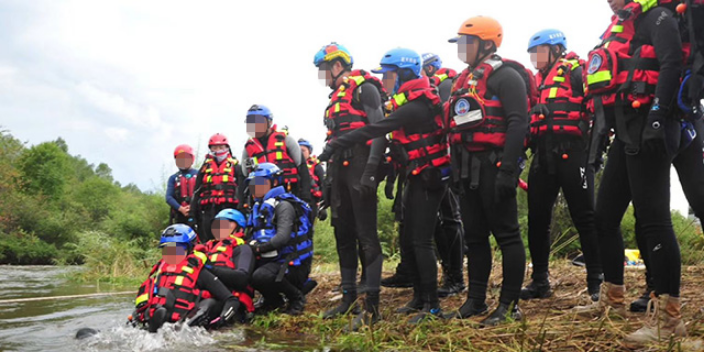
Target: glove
{"points": [[540, 109], [505, 185], [259, 247], [367, 184], [653, 140], [327, 153], [229, 310], [323, 214], [389, 190]]}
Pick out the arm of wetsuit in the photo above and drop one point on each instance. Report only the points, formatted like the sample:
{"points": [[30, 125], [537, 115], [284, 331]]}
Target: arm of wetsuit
{"points": [[211, 283], [196, 194], [170, 200], [663, 32], [304, 180], [445, 89], [370, 98], [576, 82], [512, 93], [285, 216], [410, 114], [244, 163], [238, 278]]}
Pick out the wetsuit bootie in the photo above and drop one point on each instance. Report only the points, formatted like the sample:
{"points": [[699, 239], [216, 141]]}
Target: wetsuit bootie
{"points": [[536, 289], [640, 305], [397, 281], [594, 286], [502, 314], [664, 321], [469, 308], [428, 312], [269, 304], [413, 306], [369, 316], [348, 305], [450, 287]]}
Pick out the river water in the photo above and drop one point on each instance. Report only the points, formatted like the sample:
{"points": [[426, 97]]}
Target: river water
{"points": [[51, 325]]}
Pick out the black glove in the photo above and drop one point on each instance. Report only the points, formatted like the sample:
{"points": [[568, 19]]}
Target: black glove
{"points": [[259, 247], [327, 153], [540, 109], [389, 190], [322, 214], [229, 309], [505, 185], [654, 131], [367, 184]]}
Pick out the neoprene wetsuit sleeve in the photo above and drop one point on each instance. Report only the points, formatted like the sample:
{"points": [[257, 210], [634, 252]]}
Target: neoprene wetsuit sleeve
{"points": [[371, 102], [239, 177], [512, 92], [244, 161], [294, 150], [662, 30], [410, 114], [576, 82], [284, 215], [238, 278], [170, 193], [445, 89], [208, 281], [320, 173], [196, 194]]}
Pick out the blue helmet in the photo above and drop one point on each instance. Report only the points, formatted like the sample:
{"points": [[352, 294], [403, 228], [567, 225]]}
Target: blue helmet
{"points": [[332, 51], [547, 37], [268, 171], [232, 215], [260, 110], [401, 59], [305, 143], [430, 59], [179, 234]]}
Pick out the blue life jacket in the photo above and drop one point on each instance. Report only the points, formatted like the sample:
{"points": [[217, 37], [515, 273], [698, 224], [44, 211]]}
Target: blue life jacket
{"points": [[262, 221]]}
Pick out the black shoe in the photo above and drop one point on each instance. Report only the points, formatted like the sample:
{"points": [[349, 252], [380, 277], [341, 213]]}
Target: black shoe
{"points": [[427, 313], [411, 307], [536, 289], [362, 319], [361, 288], [308, 286], [348, 305], [264, 306], [502, 314], [157, 319], [641, 304], [296, 305], [397, 281], [450, 288], [469, 308]]}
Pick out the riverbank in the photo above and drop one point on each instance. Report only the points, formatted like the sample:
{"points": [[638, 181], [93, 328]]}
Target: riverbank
{"points": [[548, 323]]}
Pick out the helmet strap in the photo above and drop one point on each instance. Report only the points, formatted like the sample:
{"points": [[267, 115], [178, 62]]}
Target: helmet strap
{"points": [[345, 69]]}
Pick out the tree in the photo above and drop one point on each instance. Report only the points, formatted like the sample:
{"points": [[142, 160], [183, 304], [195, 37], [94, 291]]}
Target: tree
{"points": [[44, 169], [104, 171]]}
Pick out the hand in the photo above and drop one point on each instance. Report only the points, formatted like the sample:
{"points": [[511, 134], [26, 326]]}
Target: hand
{"points": [[229, 309], [368, 183], [653, 140], [323, 214], [540, 109], [505, 185], [389, 190], [327, 153], [184, 209]]}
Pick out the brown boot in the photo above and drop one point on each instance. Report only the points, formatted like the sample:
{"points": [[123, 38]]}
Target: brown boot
{"points": [[660, 323], [611, 300]]}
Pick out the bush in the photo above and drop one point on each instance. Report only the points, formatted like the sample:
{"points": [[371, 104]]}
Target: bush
{"points": [[25, 249]]}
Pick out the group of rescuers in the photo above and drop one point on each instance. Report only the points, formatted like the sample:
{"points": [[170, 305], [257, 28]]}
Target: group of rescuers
{"points": [[452, 145]]}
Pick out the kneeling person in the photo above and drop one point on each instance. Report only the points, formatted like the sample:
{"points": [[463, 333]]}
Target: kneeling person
{"points": [[281, 229]]}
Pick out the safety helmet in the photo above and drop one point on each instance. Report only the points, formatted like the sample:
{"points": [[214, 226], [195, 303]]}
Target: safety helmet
{"points": [[430, 59], [218, 139], [260, 110], [400, 58], [486, 28], [268, 171], [547, 37], [305, 143], [232, 215], [180, 234], [184, 148], [331, 52]]}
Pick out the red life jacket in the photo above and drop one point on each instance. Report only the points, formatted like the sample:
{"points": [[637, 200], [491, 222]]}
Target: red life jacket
{"points": [[429, 147], [219, 182], [441, 75], [567, 112], [183, 188], [617, 67], [219, 253], [344, 112], [172, 287], [275, 152], [315, 187], [475, 115]]}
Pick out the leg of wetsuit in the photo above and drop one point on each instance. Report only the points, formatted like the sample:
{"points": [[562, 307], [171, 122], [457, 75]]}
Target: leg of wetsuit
{"points": [[690, 168], [264, 281], [448, 237], [345, 234], [207, 217], [542, 192], [573, 178], [476, 232]]}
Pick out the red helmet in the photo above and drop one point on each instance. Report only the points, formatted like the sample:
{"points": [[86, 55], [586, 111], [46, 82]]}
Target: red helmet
{"points": [[218, 139], [184, 148]]}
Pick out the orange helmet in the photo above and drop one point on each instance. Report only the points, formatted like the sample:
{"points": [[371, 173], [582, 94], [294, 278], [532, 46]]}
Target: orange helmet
{"points": [[486, 28]]}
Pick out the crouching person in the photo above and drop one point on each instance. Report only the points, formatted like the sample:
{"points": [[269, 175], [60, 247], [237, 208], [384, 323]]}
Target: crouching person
{"points": [[280, 239], [231, 259], [179, 288]]}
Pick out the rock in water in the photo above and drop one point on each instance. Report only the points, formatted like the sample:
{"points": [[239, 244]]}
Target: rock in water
{"points": [[85, 333]]}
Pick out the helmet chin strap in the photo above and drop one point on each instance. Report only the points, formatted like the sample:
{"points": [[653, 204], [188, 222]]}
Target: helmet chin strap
{"points": [[480, 51], [333, 85]]}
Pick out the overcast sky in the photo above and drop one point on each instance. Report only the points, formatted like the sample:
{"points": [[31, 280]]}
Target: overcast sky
{"points": [[124, 82]]}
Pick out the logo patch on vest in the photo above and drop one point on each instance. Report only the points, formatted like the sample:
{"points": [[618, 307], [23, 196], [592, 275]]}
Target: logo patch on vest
{"points": [[595, 63], [462, 107], [467, 113]]}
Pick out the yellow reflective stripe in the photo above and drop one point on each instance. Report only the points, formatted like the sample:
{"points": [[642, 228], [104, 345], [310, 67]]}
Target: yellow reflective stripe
{"points": [[341, 94], [221, 249], [214, 257], [179, 281], [279, 156], [239, 241], [617, 28], [225, 178], [646, 4], [141, 299], [553, 93], [559, 79], [598, 77], [187, 269], [279, 144], [337, 107], [574, 63], [209, 179], [203, 258], [358, 79], [442, 77], [400, 99]]}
